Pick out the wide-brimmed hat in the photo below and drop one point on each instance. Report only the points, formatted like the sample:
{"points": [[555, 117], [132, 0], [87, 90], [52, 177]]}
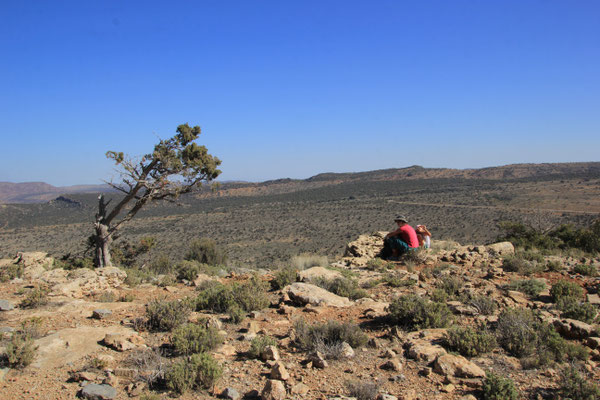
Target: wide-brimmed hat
{"points": [[401, 218]]}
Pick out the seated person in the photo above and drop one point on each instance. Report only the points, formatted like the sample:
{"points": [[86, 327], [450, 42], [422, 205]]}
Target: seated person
{"points": [[424, 236], [403, 239]]}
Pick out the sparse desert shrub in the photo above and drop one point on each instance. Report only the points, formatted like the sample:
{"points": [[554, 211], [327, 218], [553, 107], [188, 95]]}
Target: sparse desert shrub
{"points": [[575, 309], [362, 390], [563, 289], [35, 298], [531, 255], [518, 331], [496, 387], [97, 364], [11, 272], [33, 327], [188, 270], [149, 365], [377, 264], [206, 251], [520, 265], [451, 285], [342, 287], [554, 266], [162, 265], [259, 344], [397, 280], [150, 396], [191, 338], [414, 312], [304, 261], [470, 342], [215, 296], [485, 305], [531, 287], [283, 277], [247, 296], [328, 337], [196, 371], [586, 269], [252, 294], [166, 315], [20, 351], [126, 254], [574, 386], [107, 297], [127, 298], [439, 295], [137, 276]]}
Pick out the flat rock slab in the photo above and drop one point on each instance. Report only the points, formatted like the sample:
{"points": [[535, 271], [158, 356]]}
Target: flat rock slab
{"points": [[98, 392], [309, 275], [101, 313], [6, 305], [305, 293], [453, 365]]}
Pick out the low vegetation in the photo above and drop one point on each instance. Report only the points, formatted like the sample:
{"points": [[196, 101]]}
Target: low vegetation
{"points": [[194, 338], [259, 344], [36, 297], [470, 342], [414, 312], [199, 371], [495, 387], [164, 316], [531, 287], [342, 287], [328, 337]]}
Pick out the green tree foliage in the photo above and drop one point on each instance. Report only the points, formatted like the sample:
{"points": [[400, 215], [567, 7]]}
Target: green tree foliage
{"points": [[176, 165]]}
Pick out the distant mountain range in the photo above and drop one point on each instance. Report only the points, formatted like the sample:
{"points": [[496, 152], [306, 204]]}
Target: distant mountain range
{"points": [[39, 192]]}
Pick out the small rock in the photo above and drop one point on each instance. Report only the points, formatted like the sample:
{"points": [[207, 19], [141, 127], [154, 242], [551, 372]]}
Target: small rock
{"points": [[117, 342], [230, 394], [98, 392], [426, 371], [318, 360], [6, 305], [383, 396], [273, 390], [449, 388], [83, 376], [279, 372], [101, 313], [346, 350], [136, 389], [392, 365], [270, 353], [111, 380], [299, 389], [389, 353]]}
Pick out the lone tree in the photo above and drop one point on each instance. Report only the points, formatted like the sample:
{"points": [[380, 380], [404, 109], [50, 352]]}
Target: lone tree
{"points": [[176, 166]]}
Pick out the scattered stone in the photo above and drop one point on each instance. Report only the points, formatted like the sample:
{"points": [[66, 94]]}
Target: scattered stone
{"points": [[82, 376], [279, 372], [453, 365], [305, 293], [117, 342], [383, 396], [423, 351], [273, 390], [270, 353], [98, 392], [392, 365], [136, 389], [502, 248], [593, 298], [574, 329], [299, 389], [318, 360], [111, 380], [346, 350], [449, 388], [593, 342], [101, 313], [6, 305], [230, 394], [310, 274]]}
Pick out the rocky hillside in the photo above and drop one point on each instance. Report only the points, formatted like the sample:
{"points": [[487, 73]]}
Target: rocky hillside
{"points": [[453, 322]]}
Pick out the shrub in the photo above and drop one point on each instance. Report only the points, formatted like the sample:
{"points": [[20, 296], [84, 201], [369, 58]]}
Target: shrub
{"points": [[496, 387], [575, 386], [362, 390], [35, 298], [247, 296], [127, 298], [20, 351], [136, 276], [554, 266], [587, 270], [126, 254], [328, 337], [11, 272], [166, 315], [252, 294], [416, 313], [342, 287], [574, 309], [283, 277], [215, 296], [188, 270], [191, 338], [531, 287], [197, 371], [377, 264], [259, 344], [485, 305], [149, 365], [305, 261], [517, 331], [162, 265], [107, 297], [521, 265], [32, 327], [563, 289], [470, 342], [397, 280], [206, 251], [451, 285], [439, 295]]}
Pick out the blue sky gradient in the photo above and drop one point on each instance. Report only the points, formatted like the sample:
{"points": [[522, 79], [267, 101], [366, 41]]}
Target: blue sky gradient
{"points": [[295, 88]]}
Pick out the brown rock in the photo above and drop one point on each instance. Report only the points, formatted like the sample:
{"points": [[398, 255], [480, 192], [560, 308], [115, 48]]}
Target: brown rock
{"points": [[458, 366], [392, 365], [117, 342], [279, 372], [273, 390]]}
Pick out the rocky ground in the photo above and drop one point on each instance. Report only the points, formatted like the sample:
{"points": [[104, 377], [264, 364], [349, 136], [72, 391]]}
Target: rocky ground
{"points": [[90, 344]]}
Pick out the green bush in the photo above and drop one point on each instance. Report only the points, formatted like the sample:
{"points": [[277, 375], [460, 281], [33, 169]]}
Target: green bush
{"points": [[164, 316], [191, 338], [587, 270], [259, 344], [416, 313], [188, 270], [162, 265], [206, 251], [574, 386], [362, 390], [377, 264], [496, 387], [439, 296], [574, 309], [196, 371], [20, 350], [328, 337], [470, 342], [247, 296], [517, 331], [485, 305], [11, 272], [397, 280], [137, 276], [35, 298], [531, 287], [521, 265], [554, 266], [283, 277], [126, 254], [451, 285], [107, 297], [563, 289], [342, 287]]}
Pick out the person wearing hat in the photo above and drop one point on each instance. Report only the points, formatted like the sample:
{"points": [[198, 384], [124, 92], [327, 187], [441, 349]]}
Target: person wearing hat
{"points": [[403, 239]]}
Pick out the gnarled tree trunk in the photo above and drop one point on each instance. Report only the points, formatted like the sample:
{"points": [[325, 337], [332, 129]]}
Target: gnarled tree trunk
{"points": [[102, 237]]}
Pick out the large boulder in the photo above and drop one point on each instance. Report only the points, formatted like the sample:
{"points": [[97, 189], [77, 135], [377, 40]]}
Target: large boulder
{"points": [[309, 275], [454, 365], [363, 249], [305, 293], [502, 248]]}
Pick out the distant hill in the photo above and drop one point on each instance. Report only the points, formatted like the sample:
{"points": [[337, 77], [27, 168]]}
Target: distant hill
{"points": [[40, 192]]}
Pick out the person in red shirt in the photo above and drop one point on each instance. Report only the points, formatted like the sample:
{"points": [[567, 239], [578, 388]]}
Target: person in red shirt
{"points": [[403, 239]]}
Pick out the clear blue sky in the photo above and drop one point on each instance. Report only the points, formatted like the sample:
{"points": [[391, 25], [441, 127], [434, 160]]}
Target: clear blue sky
{"points": [[294, 88]]}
